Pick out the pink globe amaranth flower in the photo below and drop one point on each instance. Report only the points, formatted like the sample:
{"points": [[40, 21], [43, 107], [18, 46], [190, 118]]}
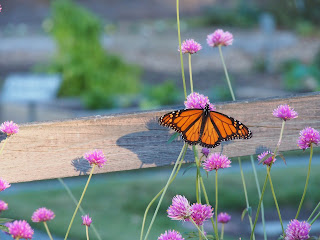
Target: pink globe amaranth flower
{"points": [[9, 128], [224, 217], [86, 220], [268, 161], [200, 213], [96, 157], [3, 206], [219, 38], [196, 100], [297, 230], [180, 208], [170, 235], [42, 215], [4, 185], [205, 151], [20, 229], [308, 136], [216, 161], [190, 46], [285, 112]]}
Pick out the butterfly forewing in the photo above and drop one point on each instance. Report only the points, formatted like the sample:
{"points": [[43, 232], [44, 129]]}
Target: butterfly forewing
{"points": [[181, 120]]}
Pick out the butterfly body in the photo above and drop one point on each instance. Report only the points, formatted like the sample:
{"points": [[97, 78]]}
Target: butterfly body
{"points": [[204, 127]]}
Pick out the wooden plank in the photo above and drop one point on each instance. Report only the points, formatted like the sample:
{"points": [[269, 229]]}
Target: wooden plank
{"points": [[132, 141]]}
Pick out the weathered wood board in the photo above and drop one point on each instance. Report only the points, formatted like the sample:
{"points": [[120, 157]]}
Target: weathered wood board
{"points": [[132, 141]]}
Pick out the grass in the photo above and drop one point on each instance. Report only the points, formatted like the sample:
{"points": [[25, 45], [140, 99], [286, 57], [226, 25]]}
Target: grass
{"points": [[117, 201]]}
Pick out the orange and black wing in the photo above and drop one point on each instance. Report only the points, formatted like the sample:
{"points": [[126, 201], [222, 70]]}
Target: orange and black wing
{"points": [[220, 127], [188, 122]]}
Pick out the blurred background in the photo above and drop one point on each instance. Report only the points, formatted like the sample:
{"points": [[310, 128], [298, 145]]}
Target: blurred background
{"points": [[64, 59]]}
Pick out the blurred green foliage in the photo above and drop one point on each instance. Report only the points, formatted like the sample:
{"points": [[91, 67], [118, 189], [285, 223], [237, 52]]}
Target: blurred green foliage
{"points": [[87, 69], [301, 15], [241, 14], [299, 76], [288, 13]]}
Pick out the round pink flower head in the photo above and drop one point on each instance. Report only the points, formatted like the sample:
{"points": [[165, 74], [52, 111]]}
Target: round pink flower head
{"points": [[170, 235], [285, 112], [268, 161], [216, 161], [190, 46], [4, 185], [96, 157], [180, 208], [9, 128], [3, 206], [297, 230], [224, 217], [308, 136], [200, 213], [205, 151], [219, 38], [86, 220], [20, 229], [42, 215], [196, 100]]}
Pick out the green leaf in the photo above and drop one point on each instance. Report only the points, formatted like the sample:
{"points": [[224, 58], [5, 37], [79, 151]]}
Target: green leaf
{"points": [[284, 160], [173, 137], [5, 220], [244, 212], [265, 157], [249, 211], [4, 228], [193, 165]]}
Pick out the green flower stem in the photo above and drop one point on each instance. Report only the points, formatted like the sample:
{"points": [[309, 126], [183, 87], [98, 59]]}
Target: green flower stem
{"points": [[259, 193], [4, 143], [216, 208], [80, 208], [259, 205], [198, 175], [202, 233], [245, 194], [181, 57], [190, 73], [208, 203], [307, 181], [233, 98], [313, 212], [275, 199], [315, 218], [87, 232], [75, 212], [280, 138], [222, 231], [165, 190], [156, 197], [197, 160], [48, 231], [226, 73]]}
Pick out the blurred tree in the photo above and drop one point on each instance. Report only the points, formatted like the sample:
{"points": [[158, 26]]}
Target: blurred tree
{"points": [[87, 69]]}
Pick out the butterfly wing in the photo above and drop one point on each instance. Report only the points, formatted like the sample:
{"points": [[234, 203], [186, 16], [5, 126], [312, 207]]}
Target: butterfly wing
{"points": [[187, 122], [220, 127]]}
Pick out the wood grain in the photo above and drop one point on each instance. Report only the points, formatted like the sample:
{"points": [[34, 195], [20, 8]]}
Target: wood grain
{"points": [[132, 141]]}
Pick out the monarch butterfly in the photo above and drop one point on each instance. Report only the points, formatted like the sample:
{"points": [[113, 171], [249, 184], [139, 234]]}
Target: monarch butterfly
{"points": [[208, 128]]}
